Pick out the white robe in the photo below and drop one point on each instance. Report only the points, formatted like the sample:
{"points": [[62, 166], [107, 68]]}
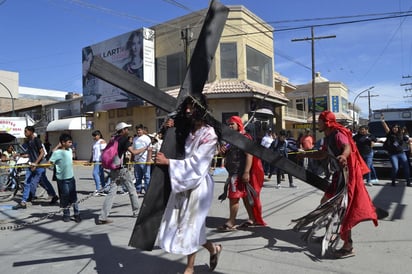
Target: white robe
{"points": [[183, 227]]}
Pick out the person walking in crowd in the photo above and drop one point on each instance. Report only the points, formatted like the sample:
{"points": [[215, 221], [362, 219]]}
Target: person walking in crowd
{"points": [[307, 142], [183, 226], [62, 159], [120, 176], [35, 172], [281, 146], [245, 171], [364, 142], [142, 166], [266, 142], [96, 159], [338, 140], [393, 144], [155, 145], [44, 181]]}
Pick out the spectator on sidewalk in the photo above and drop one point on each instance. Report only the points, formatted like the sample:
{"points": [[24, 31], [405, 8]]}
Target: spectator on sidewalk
{"points": [[142, 160], [394, 146], [364, 142], [281, 146], [266, 142], [307, 142], [96, 160]]}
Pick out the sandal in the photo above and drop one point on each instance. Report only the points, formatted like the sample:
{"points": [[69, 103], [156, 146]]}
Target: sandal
{"points": [[246, 224], [214, 258], [344, 253], [226, 227]]}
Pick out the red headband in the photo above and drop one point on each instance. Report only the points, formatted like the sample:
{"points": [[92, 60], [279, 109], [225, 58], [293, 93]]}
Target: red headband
{"points": [[329, 118], [238, 121]]}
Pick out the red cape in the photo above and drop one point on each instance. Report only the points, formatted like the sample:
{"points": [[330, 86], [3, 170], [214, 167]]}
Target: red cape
{"points": [[360, 207]]}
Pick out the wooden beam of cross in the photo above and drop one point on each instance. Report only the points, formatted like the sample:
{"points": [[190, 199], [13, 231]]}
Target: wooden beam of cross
{"points": [[166, 102], [151, 212]]}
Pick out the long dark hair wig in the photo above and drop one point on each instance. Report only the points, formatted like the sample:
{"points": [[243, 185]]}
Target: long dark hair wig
{"points": [[185, 124]]}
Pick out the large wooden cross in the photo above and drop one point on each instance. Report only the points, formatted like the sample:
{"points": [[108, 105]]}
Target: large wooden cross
{"points": [[152, 209]]}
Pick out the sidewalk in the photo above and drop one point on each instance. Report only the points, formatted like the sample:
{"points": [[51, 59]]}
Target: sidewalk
{"points": [[52, 246]]}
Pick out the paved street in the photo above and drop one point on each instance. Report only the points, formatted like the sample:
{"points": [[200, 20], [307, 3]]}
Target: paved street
{"points": [[52, 246]]}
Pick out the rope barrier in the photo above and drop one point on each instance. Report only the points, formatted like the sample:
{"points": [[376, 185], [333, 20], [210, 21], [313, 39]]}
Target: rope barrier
{"points": [[85, 163]]}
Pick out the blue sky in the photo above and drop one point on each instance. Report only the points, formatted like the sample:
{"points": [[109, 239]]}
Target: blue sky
{"points": [[42, 39]]}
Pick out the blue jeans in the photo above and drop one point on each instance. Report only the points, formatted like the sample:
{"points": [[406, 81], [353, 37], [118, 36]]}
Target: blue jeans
{"points": [[98, 175], [31, 181], [142, 173], [68, 195], [119, 177], [45, 183], [395, 159], [368, 158]]}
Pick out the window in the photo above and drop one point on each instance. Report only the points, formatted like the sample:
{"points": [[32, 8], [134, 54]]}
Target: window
{"points": [[300, 104], [344, 105], [259, 67], [228, 60], [170, 70]]}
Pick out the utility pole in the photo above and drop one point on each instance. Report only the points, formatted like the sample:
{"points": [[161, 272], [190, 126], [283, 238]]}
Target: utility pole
{"points": [[312, 39], [187, 35], [369, 103]]}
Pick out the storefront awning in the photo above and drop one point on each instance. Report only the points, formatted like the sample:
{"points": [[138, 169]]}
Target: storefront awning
{"points": [[265, 111], [76, 123]]}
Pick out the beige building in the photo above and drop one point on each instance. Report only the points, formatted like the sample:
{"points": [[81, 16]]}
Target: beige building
{"points": [[240, 81], [329, 95]]}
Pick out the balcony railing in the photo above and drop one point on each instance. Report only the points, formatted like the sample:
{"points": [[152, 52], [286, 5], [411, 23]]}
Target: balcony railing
{"points": [[295, 114]]}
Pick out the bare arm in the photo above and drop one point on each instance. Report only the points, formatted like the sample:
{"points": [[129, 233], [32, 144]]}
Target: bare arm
{"points": [[248, 166], [385, 125], [343, 158], [139, 150]]}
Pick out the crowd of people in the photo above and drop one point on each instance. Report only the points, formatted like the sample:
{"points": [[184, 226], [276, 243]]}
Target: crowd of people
{"points": [[191, 180]]}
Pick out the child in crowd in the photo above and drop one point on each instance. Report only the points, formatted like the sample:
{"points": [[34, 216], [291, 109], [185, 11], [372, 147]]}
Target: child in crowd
{"points": [[62, 158]]}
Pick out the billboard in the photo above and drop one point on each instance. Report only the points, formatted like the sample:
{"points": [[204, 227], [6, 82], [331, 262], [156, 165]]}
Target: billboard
{"points": [[132, 52], [321, 104], [15, 125]]}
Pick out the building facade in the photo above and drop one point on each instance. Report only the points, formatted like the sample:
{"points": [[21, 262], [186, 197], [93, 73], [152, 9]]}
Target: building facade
{"points": [[242, 81]]}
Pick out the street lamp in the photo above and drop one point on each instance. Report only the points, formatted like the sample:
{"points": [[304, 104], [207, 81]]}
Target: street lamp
{"points": [[12, 99], [353, 105]]}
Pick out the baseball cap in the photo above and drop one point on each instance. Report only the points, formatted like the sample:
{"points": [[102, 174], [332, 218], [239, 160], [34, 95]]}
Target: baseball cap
{"points": [[121, 126]]}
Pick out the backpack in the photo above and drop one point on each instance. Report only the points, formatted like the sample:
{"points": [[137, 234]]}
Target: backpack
{"points": [[110, 155]]}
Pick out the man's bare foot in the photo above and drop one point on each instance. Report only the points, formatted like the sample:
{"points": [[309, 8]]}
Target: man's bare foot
{"points": [[214, 258]]}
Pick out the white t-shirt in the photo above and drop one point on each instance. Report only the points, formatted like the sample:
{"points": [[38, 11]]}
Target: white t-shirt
{"points": [[140, 142], [266, 141], [97, 149]]}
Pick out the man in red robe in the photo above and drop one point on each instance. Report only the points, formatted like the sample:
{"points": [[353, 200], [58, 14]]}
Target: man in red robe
{"points": [[245, 181], [338, 141]]}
